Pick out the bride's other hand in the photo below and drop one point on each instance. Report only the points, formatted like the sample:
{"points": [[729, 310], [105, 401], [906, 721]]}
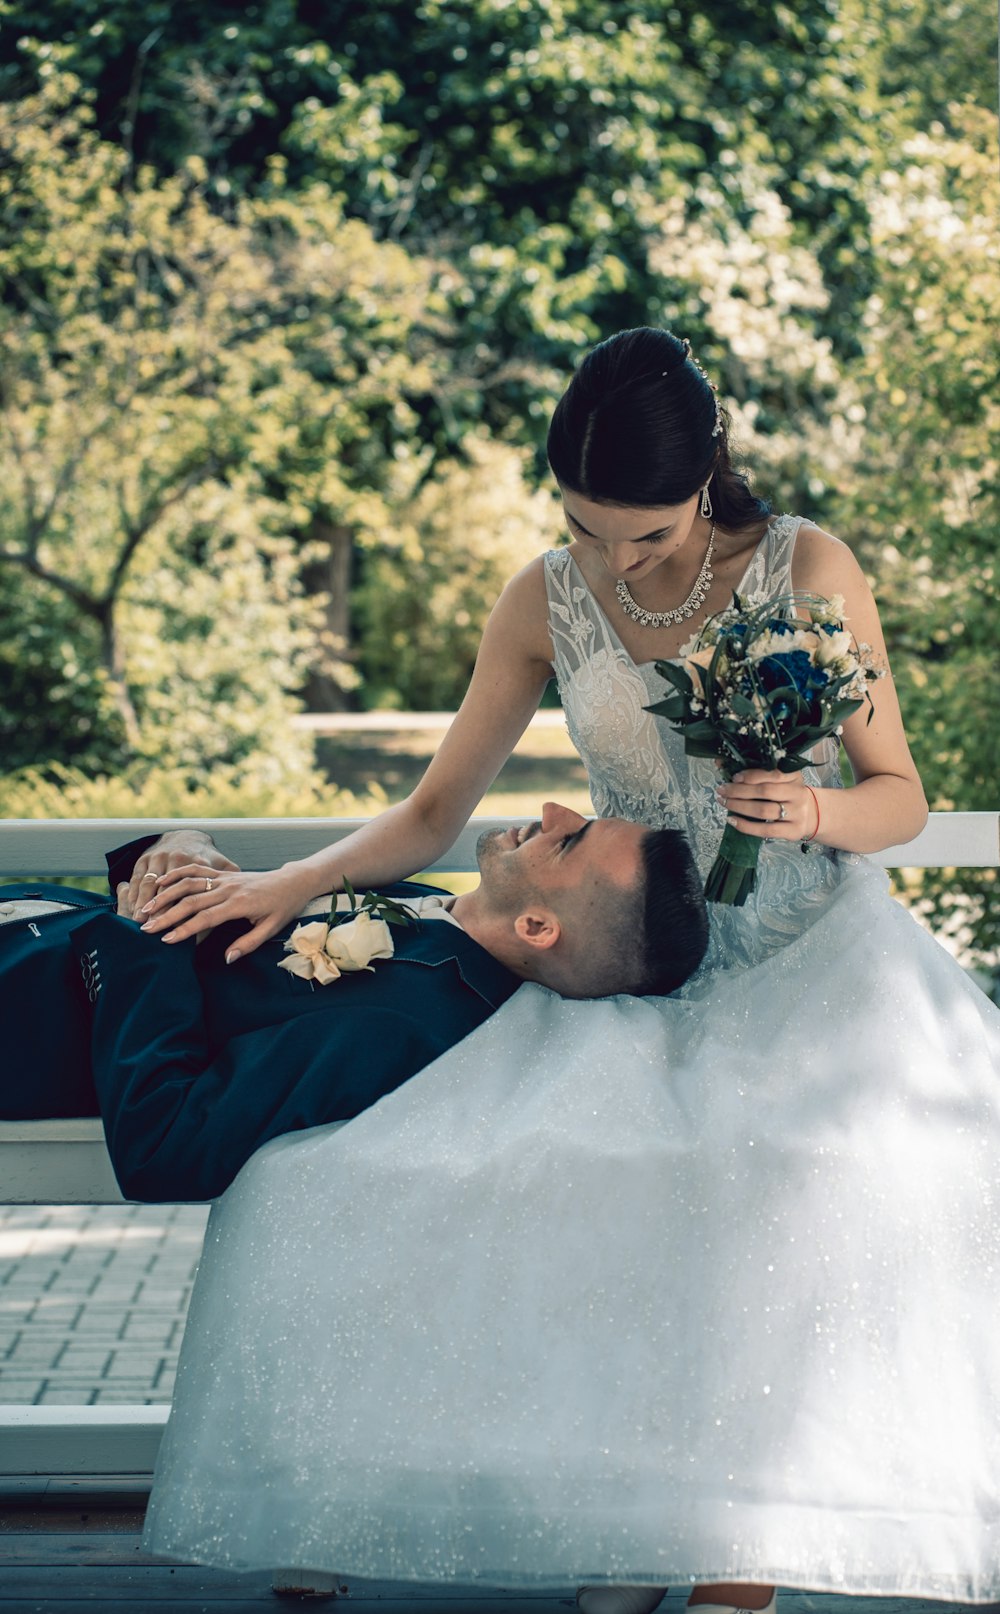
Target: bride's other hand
{"points": [[174, 849], [772, 805], [193, 899]]}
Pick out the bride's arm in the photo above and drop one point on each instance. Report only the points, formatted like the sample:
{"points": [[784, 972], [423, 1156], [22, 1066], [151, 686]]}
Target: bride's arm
{"points": [[886, 805], [512, 669]]}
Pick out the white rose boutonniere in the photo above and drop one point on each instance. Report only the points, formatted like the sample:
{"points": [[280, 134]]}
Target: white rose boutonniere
{"points": [[307, 946], [326, 949], [352, 946]]}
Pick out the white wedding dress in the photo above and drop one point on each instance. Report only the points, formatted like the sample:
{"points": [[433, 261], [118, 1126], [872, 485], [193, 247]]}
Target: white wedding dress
{"points": [[703, 1287]]}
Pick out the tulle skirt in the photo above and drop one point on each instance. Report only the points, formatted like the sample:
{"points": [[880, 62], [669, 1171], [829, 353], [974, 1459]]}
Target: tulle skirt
{"points": [[660, 1290]]}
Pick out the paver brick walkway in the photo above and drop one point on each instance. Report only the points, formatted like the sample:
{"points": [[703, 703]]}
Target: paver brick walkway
{"points": [[93, 1300]]}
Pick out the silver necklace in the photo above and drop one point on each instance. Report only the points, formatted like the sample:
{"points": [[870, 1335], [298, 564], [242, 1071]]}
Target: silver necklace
{"points": [[661, 619]]}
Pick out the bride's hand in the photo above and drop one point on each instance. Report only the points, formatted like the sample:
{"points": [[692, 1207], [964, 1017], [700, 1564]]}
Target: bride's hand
{"points": [[193, 899], [776, 806], [174, 848]]}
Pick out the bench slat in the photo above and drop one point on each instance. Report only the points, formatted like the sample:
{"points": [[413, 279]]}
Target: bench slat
{"points": [[61, 1162], [78, 1441], [77, 846]]}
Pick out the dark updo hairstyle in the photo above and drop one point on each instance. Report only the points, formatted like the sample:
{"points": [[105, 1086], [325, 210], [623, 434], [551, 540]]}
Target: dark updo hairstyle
{"points": [[634, 428]]}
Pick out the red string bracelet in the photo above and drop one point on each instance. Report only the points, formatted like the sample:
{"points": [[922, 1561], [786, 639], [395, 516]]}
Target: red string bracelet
{"points": [[815, 798]]}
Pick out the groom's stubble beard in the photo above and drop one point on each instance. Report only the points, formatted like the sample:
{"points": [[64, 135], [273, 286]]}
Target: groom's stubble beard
{"points": [[502, 885]]}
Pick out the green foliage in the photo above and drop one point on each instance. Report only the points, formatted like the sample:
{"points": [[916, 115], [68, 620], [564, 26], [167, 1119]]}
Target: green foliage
{"points": [[922, 495], [533, 146], [55, 699], [144, 791], [182, 396], [432, 577]]}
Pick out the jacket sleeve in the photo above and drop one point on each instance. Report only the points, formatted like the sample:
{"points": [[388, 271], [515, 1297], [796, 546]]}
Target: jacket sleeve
{"points": [[155, 1077]]}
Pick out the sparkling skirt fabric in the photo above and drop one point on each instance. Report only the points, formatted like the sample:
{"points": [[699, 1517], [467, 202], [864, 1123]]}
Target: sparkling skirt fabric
{"points": [[657, 1290]]}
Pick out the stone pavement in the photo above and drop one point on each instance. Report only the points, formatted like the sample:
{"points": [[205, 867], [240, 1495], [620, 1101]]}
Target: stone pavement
{"points": [[93, 1300]]}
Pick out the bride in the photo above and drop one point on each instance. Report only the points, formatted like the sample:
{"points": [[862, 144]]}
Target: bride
{"points": [[695, 1290]]}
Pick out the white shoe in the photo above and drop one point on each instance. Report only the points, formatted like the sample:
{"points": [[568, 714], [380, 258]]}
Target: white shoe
{"points": [[728, 1608], [620, 1599]]}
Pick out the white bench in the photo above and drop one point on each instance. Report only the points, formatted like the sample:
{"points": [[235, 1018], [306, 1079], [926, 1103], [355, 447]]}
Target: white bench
{"points": [[65, 1449]]}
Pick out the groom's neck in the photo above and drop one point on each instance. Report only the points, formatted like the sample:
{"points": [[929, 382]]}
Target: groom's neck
{"points": [[490, 930]]}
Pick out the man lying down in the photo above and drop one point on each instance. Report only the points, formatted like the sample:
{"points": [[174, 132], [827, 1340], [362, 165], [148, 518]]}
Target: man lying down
{"points": [[194, 1063]]}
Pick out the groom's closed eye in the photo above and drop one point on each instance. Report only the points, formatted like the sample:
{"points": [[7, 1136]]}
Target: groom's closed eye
{"points": [[570, 841]]}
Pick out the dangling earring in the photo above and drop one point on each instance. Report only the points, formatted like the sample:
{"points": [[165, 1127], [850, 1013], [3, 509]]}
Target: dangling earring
{"points": [[706, 503]]}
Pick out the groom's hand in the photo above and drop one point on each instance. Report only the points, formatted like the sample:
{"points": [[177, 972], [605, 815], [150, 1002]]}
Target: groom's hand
{"points": [[176, 848]]}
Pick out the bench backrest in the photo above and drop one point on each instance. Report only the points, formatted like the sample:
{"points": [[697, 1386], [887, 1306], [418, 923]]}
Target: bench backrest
{"points": [[77, 846]]}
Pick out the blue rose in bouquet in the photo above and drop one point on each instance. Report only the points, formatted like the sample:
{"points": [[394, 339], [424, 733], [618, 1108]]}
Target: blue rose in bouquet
{"points": [[757, 686]]}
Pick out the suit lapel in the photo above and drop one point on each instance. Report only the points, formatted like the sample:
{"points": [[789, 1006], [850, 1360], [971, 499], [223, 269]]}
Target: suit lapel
{"points": [[435, 941]]}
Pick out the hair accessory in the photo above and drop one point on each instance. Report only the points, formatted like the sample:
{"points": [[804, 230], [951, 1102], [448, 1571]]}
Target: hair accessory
{"points": [[717, 428], [812, 837], [660, 619]]}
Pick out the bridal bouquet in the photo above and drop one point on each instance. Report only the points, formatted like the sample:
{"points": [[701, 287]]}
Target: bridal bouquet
{"points": [[326, 949], [757, 686]]}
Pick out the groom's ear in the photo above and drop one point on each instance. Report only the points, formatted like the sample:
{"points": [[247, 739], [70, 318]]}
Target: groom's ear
{"points": [[538, 927]]}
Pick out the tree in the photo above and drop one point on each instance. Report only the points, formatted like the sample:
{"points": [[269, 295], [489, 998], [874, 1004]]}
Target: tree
{"points": [[428, 590], [922, 495], [184, 398]]}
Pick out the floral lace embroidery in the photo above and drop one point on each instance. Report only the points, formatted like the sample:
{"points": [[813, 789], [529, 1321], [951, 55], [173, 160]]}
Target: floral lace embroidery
{"points": [[637, 767]]}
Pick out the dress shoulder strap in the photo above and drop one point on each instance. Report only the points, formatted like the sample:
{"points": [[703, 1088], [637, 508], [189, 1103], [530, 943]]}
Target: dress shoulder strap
{"points": [[575, 624], [770, 570]]}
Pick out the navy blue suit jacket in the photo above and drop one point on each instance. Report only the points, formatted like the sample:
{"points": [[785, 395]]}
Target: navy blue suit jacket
{"points": [[193, 1063]]}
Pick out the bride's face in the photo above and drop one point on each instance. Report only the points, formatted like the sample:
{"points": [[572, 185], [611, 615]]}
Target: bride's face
{"points": [[628, 541]]}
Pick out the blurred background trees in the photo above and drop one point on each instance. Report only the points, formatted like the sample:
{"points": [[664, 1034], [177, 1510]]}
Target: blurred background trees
{"points": [[289, 290]]}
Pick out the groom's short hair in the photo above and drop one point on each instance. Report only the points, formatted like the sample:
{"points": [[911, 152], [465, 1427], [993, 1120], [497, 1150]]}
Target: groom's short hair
{"points": [[650, 937]]}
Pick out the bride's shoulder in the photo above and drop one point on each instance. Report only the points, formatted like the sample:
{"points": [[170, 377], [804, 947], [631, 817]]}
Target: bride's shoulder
{"points": [[527, 587], [823, 563], [522, 608]]}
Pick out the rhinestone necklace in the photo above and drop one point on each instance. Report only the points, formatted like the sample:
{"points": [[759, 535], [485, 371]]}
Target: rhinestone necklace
{"points": [[660, 619]]}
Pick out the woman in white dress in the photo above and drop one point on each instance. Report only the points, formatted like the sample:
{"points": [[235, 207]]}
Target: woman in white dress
{"points": [[692, 1290]]}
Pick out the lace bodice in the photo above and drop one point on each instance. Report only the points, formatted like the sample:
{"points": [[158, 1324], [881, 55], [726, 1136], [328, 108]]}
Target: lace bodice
{"points": [[636, 764]]}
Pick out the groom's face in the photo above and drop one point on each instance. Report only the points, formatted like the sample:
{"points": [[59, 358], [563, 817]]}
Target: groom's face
{"points": [[560, 854]]}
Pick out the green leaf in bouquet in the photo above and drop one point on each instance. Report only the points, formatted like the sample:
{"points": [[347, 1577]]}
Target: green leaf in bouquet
{"points": [[675, 674], [702, 733], [805, 737], [701, 748], [786, 694], [743, 705], [839, 711], [672, 707]]}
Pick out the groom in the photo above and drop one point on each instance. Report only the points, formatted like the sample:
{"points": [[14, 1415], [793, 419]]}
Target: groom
{"points": [[196, 1064]]}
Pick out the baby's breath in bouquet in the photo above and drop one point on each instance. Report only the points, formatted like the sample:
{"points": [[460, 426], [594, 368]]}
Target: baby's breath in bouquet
{"points": [[757, 686]]}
